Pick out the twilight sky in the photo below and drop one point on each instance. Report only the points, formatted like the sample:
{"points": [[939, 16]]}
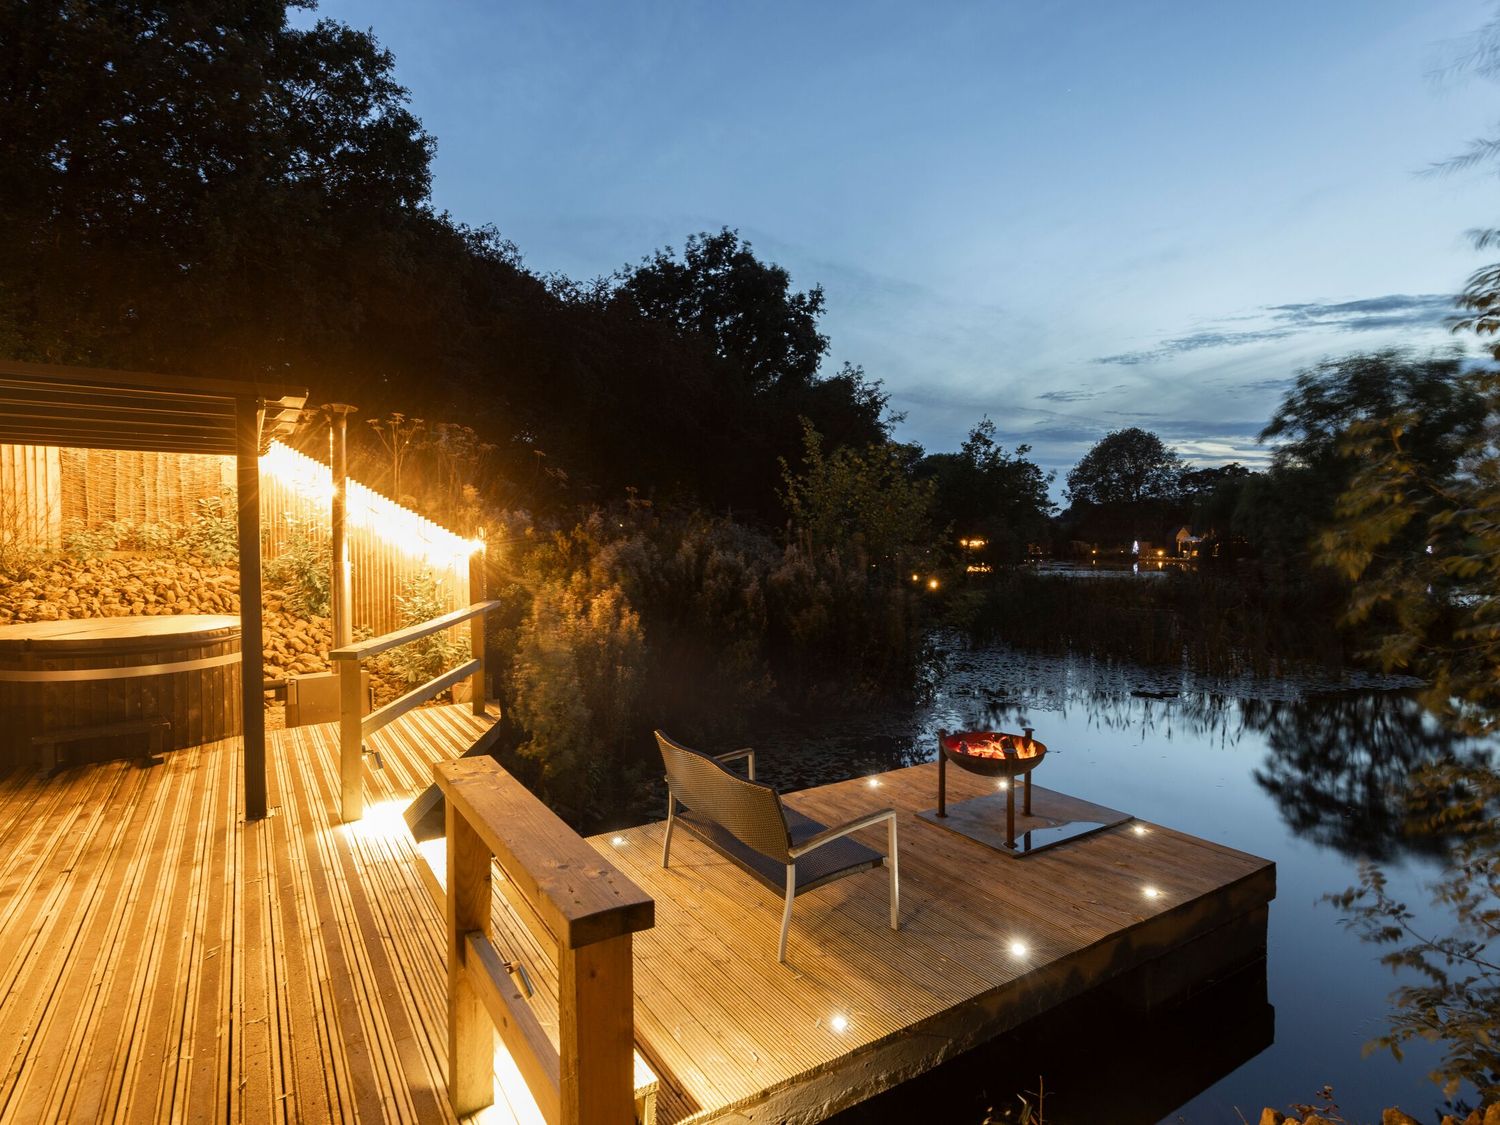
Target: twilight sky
{"points": [[1071, 216]]}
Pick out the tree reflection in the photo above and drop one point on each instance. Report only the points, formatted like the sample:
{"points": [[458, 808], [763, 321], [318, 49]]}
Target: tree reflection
{"points": [[1339, 767]]}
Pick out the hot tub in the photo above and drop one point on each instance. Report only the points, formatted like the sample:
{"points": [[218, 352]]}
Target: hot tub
{"points": [[63, 675]]}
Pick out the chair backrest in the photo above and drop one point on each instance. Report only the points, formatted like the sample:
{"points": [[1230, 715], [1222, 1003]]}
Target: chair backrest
{"points": [[748, 810]]}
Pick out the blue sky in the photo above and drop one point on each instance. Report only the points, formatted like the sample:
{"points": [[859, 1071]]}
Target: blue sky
{"points": [[1069, 216]]}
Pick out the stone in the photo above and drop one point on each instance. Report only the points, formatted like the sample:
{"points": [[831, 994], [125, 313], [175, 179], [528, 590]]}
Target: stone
{"points": [[1269, 1116], [1396, 1117]]}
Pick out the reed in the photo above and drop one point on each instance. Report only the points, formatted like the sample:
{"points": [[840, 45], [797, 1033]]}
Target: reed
{"points": [[1246, 623]]}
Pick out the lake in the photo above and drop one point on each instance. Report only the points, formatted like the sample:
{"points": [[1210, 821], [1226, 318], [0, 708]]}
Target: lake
{"points": [[1307, 773]]}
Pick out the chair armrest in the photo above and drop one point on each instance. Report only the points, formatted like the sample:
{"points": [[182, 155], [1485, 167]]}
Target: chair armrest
{"points": [[830, 834], [744, 752]]}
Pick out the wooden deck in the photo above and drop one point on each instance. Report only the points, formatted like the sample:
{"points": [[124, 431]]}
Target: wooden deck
{"points": [[162, 960], [859, 1008]]}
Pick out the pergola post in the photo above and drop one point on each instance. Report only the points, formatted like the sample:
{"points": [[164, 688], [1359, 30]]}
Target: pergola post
{"points": [[247, 426], [338, 457]]}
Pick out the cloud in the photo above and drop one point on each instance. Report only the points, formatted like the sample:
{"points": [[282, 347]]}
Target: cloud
{"points": [[1370, 314], [1073, 396], [1196, 342], [1395, 310]]}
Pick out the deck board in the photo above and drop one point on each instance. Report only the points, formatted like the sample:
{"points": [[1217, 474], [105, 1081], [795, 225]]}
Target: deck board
{"points": [[160, 959], [734, 1032]]}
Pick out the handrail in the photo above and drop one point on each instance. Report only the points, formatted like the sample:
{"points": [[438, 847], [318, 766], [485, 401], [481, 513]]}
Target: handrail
{"points": [[579, 904], [355, 726], [363, 650]]}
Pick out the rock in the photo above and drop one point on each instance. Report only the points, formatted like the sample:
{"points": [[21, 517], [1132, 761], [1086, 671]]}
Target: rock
{"points": [[1269, 1116], [1396, 1117], [1492, 1115]]}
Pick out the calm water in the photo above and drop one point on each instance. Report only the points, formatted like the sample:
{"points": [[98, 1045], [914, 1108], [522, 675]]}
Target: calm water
{"points": [[1307, 774]]}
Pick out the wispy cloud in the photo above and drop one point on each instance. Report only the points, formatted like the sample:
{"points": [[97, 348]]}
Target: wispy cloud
{"points": [[1392, 311], [1196, 342], [1395, 310]]}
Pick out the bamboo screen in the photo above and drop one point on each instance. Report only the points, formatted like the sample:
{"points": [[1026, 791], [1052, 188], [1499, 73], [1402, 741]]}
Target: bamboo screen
{"points": [[42, 487]]}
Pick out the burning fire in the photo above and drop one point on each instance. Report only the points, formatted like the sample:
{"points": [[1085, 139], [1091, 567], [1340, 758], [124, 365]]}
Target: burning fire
{"points": [[991, 744]]}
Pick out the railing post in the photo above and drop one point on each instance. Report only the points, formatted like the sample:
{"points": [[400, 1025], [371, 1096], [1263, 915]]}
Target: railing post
{"points": [[351, 742], [477, 594], [596, 1032], [471, 1046]]}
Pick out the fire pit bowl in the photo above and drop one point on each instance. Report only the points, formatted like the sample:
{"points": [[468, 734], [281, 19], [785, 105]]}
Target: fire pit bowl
{"points": [[991, 754]]}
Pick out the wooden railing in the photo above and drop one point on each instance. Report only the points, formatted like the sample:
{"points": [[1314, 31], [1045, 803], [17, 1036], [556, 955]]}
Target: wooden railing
{"points": [[571, 899], [355, 726]]}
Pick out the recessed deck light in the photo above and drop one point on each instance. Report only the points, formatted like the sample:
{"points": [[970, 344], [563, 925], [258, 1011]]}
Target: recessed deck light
{"points": [[1139, 829], [1150, 892], [618, 841], [874, 783], [1018, 948], [838, 1023]]}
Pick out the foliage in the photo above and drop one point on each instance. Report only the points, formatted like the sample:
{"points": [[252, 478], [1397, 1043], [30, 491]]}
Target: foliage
{"points": [[20, 552], [858, 505], [427, 657], [1420, 538], [578, 664], [1286, 511], [984, 492], [214, 533], [1457, 1000], [80, 541], [304, 568], [1235, 624], [172, 164], [741, 308], [1417, 532], [1126, 467]]}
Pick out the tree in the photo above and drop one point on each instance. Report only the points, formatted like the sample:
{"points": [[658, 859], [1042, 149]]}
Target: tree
{"points": [[743, 309], [858, 504], [1126, 467], [984, 492], [186, 181]]}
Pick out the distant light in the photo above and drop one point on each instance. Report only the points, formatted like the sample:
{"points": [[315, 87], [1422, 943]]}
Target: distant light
{"points": [[963, 542], [1018, 949], [932, 583], [838, 1023], [618, 841], [874, 783], [916, 578], [1159, 552], [1150, 892]]}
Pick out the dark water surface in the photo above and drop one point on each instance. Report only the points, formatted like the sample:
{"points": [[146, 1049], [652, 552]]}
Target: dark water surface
{"points": [[1306, 773]]}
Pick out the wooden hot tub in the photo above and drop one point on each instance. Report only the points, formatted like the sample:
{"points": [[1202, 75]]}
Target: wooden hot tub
{"points": [[64, 675]]}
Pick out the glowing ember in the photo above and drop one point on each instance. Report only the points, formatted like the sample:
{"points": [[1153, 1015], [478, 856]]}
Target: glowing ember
{"points": [[991, 744]]}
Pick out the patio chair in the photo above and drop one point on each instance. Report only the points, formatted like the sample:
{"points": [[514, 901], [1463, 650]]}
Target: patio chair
{"points": [[747, 823]]}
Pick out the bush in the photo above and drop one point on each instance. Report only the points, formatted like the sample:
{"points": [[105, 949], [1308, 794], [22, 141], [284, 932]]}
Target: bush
{"points": [[428, 657], [214, 532], [304, 569]]}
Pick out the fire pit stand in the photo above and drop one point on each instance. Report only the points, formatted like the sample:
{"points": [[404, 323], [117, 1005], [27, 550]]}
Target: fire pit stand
{"points": [[991, 754], [1010, 758]]}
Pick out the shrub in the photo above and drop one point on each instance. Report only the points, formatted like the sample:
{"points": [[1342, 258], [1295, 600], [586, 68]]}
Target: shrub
{"points": [[304, 569], [427, 657], [214, 532], [84, 543]]}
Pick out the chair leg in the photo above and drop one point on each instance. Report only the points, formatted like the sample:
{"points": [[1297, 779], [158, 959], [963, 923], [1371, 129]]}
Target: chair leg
{"points": [[666, 844], [786, 915], [893, 861]]}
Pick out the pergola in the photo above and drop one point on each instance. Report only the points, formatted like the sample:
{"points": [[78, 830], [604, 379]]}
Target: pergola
{"points": [[43, 404]]}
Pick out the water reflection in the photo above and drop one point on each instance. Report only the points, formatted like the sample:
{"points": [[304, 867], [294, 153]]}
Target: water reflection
{"points": [[1096, 1060], [1338, 768]]}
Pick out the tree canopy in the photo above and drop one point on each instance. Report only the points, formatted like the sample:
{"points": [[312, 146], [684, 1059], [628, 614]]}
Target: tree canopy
{"points": [[1126, 467]]}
